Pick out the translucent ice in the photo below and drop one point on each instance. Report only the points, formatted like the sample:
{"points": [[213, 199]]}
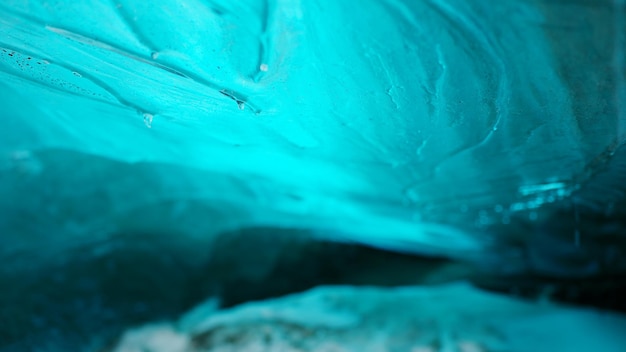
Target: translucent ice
{"points": [[437, 127], [392, 122]]}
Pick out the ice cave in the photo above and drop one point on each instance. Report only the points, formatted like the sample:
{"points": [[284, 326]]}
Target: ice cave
{"points": [[313, 175]]}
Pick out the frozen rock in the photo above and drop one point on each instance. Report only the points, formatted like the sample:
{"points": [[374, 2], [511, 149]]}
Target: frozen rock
{"points": [[451, 318]]}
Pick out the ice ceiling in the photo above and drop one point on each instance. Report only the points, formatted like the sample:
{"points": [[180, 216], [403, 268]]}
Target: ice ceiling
{"points": [[397, 123], [410, 125]]}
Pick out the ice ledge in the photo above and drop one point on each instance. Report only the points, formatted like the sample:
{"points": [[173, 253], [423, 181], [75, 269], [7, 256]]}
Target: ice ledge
{"points": [[453, 317]]}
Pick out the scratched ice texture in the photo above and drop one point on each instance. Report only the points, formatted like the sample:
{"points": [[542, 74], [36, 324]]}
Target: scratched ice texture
{"points": [[483, 131]]}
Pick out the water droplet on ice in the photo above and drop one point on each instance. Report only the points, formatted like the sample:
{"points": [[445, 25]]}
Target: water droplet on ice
{"points": [[147, 119], [154, 55], [263, 67], [241, 105], [77, 74]]}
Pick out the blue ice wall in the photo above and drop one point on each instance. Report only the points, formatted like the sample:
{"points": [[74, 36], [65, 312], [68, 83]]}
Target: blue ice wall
{"points": [[435, 127], [394, 122]]}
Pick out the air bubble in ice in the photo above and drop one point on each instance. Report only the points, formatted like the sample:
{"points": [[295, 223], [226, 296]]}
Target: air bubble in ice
{"points": [[147, 119]]}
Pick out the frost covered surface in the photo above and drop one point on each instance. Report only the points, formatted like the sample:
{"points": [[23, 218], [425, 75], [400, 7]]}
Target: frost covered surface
{"points": [[451, 318]]}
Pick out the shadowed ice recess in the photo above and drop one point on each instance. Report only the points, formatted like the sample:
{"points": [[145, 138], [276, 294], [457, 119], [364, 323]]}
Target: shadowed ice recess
{"points": [[484, 131]]}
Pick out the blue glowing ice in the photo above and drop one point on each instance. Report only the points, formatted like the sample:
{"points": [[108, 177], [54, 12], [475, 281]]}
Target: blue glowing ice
{"points": [[399, 123], [435, 127]]}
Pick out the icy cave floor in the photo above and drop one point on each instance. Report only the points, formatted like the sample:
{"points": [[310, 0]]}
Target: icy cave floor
{"points": [[453, 317]]}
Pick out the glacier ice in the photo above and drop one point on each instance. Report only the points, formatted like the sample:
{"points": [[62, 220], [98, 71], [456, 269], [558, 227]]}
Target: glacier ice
{"points": [[349, 125], [143, 132]]}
